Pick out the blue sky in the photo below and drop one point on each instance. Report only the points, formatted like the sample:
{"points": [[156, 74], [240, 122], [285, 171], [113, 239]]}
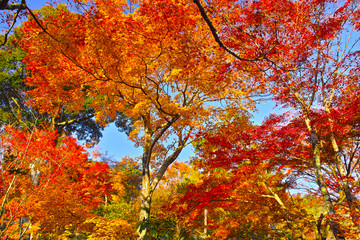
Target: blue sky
{"points": [[35, 4]]}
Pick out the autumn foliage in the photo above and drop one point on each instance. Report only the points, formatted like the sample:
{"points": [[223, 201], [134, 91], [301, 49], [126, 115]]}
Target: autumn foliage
{"points": [[173, 74], [48, 183]]}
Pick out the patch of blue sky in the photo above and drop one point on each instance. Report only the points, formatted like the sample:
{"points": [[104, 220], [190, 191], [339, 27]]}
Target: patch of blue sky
{"points": [[117, 145]]}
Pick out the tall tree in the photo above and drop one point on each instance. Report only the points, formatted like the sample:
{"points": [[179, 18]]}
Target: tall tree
{"points": [[151, 61], [308, 53]]}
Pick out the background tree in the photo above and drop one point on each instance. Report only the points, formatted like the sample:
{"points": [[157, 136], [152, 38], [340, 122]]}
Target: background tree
{"points": [[166, 220], [122, 205], [14, 107]]}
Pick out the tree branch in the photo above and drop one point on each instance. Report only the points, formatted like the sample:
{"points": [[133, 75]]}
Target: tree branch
{"points": [[216, 36], [4, 5]]}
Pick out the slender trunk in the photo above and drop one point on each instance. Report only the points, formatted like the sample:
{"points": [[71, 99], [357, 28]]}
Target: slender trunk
{"points": [[292, 224], [35, 173], [320, 235], [344, 184], [321, 182], [205, 222], [314, 138], [145, 197], [178, 230]]}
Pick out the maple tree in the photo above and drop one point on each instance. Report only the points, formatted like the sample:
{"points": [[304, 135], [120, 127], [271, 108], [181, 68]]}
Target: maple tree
{"points": [[307, 53], [13, 101], [137, 60], [48, 184], [247, 173]]}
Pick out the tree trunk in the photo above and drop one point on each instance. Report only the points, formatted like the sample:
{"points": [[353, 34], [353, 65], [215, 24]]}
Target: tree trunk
{"points": [[148, 186], [145, 197], [205, 222], [344, 184], [335, 228], [145, 194]]}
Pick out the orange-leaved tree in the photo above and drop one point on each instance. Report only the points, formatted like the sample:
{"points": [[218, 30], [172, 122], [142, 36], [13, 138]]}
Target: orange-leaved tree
{"points": [[152, 62], [48, 184]]}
